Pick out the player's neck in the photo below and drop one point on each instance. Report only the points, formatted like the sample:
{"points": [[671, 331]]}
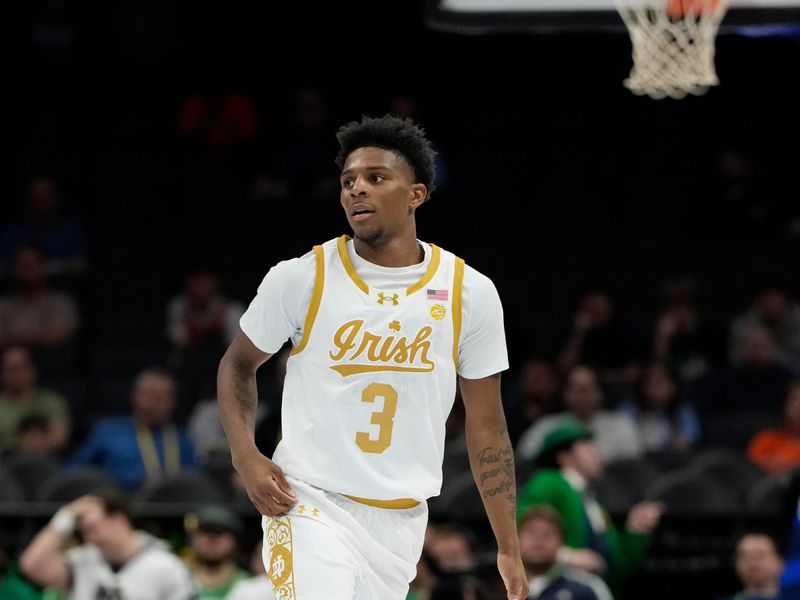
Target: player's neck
{"points": [[398, 252]]}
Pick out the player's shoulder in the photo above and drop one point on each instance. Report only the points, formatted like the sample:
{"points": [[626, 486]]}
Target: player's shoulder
{"points": [[291, 271]]}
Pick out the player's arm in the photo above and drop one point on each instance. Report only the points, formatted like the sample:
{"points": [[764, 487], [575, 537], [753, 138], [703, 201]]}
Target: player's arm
{"points": [[492, 460], [238, 397]]}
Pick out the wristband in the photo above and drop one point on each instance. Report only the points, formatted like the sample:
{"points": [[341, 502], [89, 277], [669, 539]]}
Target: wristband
{"points": [[63, 522]]}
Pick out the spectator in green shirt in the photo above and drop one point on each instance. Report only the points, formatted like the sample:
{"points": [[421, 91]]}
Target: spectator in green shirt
{"points": [[21, 397], [568, 462]]}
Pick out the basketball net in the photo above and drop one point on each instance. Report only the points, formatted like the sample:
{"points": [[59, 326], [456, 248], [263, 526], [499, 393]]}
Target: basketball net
{"points": [[673, 45]]}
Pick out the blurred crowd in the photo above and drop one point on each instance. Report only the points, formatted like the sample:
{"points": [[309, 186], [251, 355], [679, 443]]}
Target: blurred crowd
{"points": [[602, 396], [107, 376]]}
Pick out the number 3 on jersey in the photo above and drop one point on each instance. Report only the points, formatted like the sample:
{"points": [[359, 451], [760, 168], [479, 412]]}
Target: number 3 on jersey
{"points": [[383, 418]]}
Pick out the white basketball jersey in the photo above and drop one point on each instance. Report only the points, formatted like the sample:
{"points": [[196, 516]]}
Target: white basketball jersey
{"points": [[370, 385]]}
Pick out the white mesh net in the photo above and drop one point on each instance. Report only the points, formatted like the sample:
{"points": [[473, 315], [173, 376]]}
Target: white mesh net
{"points": [[673, 45]]}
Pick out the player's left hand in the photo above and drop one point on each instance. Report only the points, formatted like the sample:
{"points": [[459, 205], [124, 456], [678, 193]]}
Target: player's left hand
{"points": [[513, 574]]}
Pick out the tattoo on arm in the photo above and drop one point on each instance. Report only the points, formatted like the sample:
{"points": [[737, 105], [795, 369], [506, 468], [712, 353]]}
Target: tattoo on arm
{"points": [[496, 473]]}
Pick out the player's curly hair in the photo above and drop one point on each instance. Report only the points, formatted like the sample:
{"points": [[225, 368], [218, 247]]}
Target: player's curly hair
{"points": [[391, 133]]}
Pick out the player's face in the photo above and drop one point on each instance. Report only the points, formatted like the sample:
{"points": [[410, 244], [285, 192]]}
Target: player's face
{"points": [[378, 194]]}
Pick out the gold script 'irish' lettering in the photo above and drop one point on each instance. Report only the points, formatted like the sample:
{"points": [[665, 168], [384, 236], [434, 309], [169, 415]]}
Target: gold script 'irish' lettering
{"points": [[360, 351]]}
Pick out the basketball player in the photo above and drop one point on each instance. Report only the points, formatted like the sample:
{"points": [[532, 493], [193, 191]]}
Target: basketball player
{"points": [[382, 326]]}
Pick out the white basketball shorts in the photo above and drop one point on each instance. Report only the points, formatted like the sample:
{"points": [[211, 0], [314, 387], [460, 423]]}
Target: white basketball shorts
{"points": [[329, 547]]}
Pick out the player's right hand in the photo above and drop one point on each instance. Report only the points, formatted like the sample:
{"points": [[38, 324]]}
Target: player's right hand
{"points": [[266, 485]]}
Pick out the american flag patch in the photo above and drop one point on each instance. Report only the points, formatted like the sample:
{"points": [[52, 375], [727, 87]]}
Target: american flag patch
{"points": [[437, 294]]}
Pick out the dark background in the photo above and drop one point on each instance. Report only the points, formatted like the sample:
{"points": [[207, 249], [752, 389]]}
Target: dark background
{"points": [[556, 175]]}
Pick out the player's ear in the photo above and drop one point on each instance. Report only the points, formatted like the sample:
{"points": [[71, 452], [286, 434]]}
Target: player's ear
{"points": [[419, 193]]}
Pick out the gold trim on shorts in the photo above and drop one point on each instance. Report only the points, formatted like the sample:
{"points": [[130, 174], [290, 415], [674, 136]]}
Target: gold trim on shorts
{"points": [[399, 503], [280, 571]]}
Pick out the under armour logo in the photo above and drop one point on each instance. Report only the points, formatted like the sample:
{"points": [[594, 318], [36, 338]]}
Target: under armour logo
{"points": [[393, 298], [277, 567], [302, 509]]}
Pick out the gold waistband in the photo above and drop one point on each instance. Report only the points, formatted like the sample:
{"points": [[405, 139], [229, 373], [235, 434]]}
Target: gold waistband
{"points": [[399, 503]]}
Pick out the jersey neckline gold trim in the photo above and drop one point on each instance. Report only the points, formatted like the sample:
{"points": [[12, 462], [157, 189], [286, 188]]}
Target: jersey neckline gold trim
{"points": [[433, 266], [316, 298]]}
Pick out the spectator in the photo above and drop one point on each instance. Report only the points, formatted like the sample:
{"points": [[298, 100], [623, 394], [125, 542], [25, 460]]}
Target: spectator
{"points": [[201, 322], [21, 399], [448, 560], [777, 451], [33, 314], [257, 587], [202, 316], [569, 462], [215, 533], [759, 567], [599, 340], [219, 119], [541, 537], [774, 309], [41, 225], [206, 432], [665, 423], [115, 560], [583, 397], [407, 106], [301, 168], [748, 395], [683, 340], [534, 394], [144, 446], [423, 584], [32, 438], [15, 586]]}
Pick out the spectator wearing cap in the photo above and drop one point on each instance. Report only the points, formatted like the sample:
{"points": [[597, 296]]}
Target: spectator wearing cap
{"points": [[568, 462], [214, 538]]}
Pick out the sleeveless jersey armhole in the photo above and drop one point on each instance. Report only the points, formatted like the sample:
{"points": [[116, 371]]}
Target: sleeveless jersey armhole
{"points": [[316, 298], [458, 287]]}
